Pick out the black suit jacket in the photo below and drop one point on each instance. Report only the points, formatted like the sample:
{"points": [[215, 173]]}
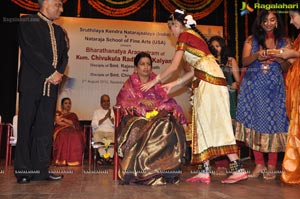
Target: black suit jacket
{"points": [[37, 54]]}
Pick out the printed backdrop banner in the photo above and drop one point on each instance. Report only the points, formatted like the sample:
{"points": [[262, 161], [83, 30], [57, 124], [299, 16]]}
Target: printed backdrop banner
{"points": [[101, 58]]}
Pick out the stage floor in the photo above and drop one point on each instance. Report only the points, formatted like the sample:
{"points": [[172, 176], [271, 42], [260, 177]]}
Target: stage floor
{"points": [[82, 182]]}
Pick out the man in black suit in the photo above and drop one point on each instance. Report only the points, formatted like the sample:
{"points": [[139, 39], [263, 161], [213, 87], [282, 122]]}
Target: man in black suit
{"points": [[44, 57]]}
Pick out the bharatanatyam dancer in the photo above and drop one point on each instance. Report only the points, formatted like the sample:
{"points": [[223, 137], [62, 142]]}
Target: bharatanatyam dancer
{"points": [[211, 122]]}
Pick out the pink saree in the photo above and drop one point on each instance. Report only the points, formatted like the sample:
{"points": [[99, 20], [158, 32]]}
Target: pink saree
{"points": [[130, 97]]}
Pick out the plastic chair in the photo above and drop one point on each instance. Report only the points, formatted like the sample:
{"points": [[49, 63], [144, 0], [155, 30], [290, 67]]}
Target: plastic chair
{"points": [[12, 137], [1, 130], [87, 129], [117, 112], [93, 146]]}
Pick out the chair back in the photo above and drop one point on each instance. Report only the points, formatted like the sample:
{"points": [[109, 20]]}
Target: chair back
{"points": [[118, 115], [14, 137]]}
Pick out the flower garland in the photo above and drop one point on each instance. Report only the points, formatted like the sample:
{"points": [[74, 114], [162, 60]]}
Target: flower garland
{"points": [[236, 30], [246, 24], [123, 8], [151, 114], [117, 8], [107, 143], [225, 23], [29, 5], [78, 8], [154, 10], [200, 9]]}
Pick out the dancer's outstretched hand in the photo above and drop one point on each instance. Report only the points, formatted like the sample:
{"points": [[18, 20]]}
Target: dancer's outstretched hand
{"points": [[167, 87], [145, 87]]}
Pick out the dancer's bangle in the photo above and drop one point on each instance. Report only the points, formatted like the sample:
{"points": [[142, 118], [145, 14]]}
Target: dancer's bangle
{"points": [[179, 81], [157, 78]]}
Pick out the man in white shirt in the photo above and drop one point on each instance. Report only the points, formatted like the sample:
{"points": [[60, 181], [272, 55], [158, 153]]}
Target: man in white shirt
{"points": [[103, 128]]}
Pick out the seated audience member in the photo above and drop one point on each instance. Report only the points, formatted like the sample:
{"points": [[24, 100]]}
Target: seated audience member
{"points": [[68, 137], [151, 140], [104, 129]]}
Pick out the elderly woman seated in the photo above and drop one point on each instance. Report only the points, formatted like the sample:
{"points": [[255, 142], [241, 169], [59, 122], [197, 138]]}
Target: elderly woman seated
{"points": [[151, 137]]}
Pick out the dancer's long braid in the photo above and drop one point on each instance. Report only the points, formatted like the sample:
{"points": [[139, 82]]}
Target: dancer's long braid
{"points": [[211, 48]]}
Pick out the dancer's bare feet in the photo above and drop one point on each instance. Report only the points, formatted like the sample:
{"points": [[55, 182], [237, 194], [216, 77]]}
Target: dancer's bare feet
{"points": [[200, 177], [236, 177]]}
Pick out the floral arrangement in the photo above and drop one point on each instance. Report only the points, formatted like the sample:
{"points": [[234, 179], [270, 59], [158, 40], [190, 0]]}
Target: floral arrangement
{"points": [[106, 155], [151, 114], [106, 145]]}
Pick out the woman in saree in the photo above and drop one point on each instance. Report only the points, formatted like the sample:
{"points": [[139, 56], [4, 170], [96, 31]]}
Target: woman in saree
{"points": [[151, 139], [68, 137], [291, 161]]}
